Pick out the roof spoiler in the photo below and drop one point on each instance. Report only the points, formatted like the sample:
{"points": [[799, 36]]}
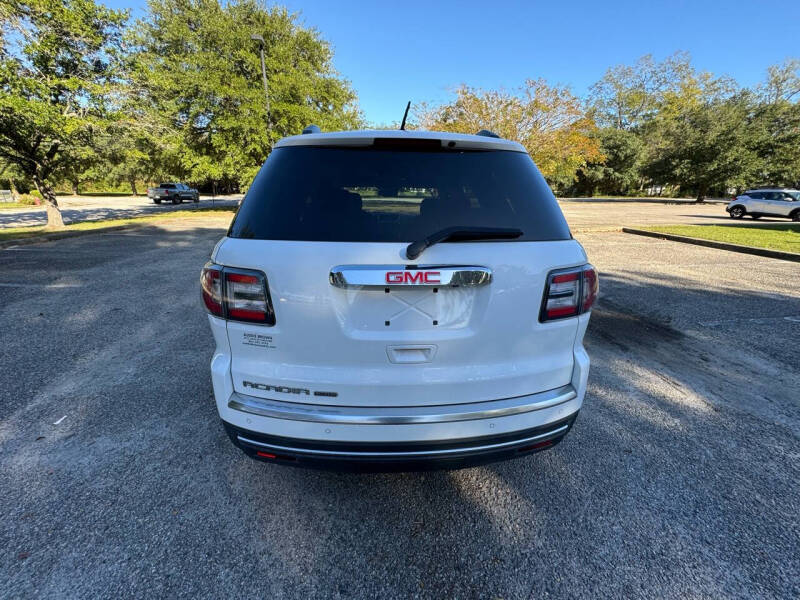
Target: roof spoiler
{"points": [[487, 133]]}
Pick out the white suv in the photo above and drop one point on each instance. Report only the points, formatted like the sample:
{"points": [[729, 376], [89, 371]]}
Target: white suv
{"points": [[398, 300], [775, 202]]}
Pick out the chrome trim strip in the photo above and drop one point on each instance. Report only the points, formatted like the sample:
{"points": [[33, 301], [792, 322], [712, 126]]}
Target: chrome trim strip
{"points": [[417, 453], [361, 276], [400, 415]]}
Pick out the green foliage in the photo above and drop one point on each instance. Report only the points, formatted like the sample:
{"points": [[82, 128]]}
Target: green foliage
{"points": [[548, 120], [619, 173], [197, 98], [628, 95], [28, 200], [56, 68], [179, 95], [702, 142], [669, 125]]}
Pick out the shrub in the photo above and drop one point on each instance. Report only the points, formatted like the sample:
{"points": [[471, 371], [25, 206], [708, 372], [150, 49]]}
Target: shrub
{"points": [[29, 200], [35, 194]]}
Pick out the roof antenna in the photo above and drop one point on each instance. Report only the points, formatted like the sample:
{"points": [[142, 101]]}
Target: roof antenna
{"points": [[405, 115]]}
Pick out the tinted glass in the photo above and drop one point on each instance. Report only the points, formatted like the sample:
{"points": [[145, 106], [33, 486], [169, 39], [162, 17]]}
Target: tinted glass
{"points": [[167, 186], [756, 195], [381, 195]]}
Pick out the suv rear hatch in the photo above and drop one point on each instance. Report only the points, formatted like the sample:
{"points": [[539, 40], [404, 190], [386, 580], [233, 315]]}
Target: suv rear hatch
{"points": [[356, 322]]}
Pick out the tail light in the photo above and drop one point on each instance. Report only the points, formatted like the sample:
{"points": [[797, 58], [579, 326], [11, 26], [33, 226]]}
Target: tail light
{"points": [[211, 285], [568, 293], [237, 294]]}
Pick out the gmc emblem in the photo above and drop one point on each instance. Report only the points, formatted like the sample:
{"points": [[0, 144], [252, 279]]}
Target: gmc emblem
{"points": [[414, 277]]}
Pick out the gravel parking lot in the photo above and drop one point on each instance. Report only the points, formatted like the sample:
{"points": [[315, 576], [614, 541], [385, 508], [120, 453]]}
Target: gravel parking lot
{"points": [[680, 478]]}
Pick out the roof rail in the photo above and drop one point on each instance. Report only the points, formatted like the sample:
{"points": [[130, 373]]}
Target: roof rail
{"points": [[487, 133], [312, 129]]}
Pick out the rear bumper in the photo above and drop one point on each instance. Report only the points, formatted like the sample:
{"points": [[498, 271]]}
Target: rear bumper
{"points": [[394, 456], [304, 433]]}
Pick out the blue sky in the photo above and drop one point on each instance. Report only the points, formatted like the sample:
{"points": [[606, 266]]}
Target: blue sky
{"points": [[395, 51]]}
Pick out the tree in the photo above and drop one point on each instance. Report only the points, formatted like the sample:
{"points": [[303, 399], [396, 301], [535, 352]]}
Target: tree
{"points": [[11, 175], [196, 85], [619, 173], [548, 120], [627, 96], [55, 72], [706, 145], [783, 82]]}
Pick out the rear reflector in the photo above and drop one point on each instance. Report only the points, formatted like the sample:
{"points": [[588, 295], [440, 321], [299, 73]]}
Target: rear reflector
{"points": [[265, 455], [237, 294], [536, 446], [569, 292]]}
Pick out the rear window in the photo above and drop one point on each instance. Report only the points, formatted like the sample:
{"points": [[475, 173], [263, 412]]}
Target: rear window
{"points": [[337, 194], [168, 186]]}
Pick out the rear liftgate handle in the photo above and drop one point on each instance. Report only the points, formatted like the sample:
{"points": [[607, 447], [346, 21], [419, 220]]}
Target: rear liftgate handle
{"points": [[409, 355]]}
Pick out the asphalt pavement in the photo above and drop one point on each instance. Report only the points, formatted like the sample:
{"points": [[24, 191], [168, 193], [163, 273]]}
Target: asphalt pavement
{"points": [[679, 479]]}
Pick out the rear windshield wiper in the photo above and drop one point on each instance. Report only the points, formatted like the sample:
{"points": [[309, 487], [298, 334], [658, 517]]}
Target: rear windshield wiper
{"points": [[456, 234]]}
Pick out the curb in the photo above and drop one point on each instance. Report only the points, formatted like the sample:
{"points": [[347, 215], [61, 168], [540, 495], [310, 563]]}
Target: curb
{"points": [[673, 201], [779, 254], [47, 237]]}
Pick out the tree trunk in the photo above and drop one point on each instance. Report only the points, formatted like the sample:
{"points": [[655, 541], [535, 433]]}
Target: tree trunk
{"points": [[14, 190], [75, 190], [133, 186], [54, 218], [701, 193]]}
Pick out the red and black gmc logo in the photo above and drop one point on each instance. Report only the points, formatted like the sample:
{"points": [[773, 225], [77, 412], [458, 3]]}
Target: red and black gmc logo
{"points": [[414, 277]]}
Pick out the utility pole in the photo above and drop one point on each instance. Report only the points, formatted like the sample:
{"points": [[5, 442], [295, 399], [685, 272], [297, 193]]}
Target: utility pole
{"points": [[257, 38]]}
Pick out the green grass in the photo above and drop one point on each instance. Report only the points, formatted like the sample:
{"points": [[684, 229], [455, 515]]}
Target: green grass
{"points": [[774, 236], [10, 205], [15, 233]]}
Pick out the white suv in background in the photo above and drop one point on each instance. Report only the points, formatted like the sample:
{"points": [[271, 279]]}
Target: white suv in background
{"points": [[766, 202], [398, 300]]}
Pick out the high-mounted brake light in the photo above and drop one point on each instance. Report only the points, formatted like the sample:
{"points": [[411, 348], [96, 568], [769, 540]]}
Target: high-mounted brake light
{"points": [[237, 294], [568, 293]]}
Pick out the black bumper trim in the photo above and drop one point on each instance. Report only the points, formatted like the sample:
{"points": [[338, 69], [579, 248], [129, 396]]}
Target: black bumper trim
{"points": [[408, 456]]}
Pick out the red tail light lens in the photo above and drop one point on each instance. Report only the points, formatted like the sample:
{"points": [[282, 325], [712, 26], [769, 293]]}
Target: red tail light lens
{"points": [[563, 295], [590, 288], [237, 294], [246, 297], [568, 293], [211, 285]]}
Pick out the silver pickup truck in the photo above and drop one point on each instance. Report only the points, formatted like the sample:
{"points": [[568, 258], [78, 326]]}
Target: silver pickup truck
{"points": [[175, 192]]}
